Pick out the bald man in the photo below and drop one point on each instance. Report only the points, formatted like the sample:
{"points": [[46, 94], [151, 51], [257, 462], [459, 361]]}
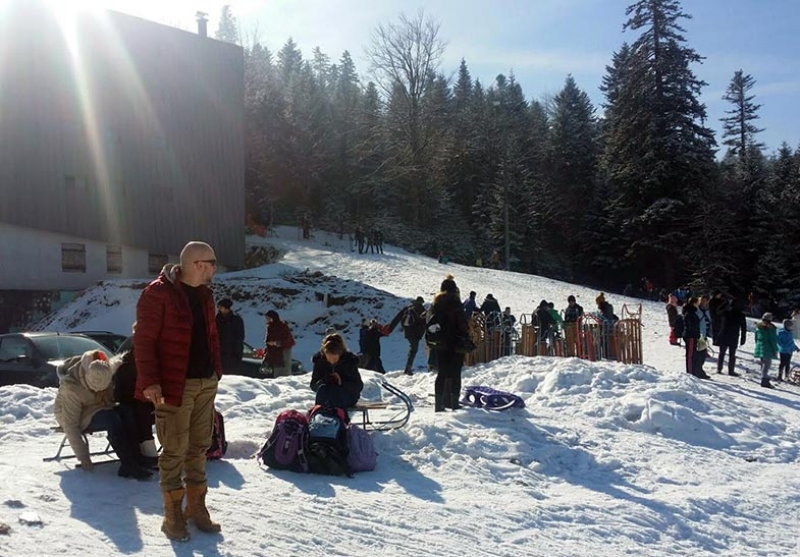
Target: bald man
{"points": [[178, 363]]}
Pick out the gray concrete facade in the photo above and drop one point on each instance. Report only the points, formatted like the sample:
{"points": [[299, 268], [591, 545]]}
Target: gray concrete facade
{"points": [[121, 131]]}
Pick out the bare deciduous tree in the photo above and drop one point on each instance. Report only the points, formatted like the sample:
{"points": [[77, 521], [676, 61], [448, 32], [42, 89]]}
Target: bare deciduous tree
{"points": [[404, 58]]}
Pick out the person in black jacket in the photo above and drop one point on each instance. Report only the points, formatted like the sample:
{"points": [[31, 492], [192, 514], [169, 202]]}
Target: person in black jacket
{"points": [[490, 305], [573, 311], [692, 334], [732, 333], [715, 306], [369, 342], [335, 377], [412, 319], [230, 328], [448, 314], [142, 413]]}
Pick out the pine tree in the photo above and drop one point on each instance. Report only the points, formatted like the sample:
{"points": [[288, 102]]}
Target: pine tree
{"points": [[228, 28], [659, 154], [739, 131], [571, 168]]}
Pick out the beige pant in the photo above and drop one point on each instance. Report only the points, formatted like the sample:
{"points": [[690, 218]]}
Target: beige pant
{"points": [[185, 434]]}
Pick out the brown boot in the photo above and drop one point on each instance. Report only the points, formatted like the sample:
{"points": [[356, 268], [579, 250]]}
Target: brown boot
{"points": [[196, 510], [174, 525]]}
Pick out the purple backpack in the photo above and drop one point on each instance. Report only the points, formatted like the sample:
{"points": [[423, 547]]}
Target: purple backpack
{"points": [[286, 447], [362, 456], [219, 445]]}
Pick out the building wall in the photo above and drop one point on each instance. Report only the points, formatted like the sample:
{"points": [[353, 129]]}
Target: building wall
{"points": [[117, 131], [33, 260]]}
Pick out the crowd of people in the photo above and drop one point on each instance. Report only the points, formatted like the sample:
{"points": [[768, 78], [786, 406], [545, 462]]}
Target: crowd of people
{"points": [[722, 319], [181, 347]]}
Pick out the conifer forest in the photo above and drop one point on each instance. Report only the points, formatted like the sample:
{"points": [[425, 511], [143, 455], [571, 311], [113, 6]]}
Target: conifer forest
{"points": [[640, 186]]}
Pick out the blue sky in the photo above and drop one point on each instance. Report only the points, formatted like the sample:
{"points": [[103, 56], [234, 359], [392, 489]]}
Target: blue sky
{"points": [[541, 41]]}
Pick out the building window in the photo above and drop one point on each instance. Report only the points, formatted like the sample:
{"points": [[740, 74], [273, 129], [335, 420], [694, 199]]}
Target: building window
{"points": [[114, 259], [73, 258], [156, 262]]}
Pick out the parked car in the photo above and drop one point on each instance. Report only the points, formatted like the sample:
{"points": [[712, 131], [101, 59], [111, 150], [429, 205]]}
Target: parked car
{"points": [[32, 358], [110, 340], [251, 365]]}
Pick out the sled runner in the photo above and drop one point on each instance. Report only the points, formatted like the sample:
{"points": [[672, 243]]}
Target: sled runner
{"points": [[108, 451], [386, 415]]}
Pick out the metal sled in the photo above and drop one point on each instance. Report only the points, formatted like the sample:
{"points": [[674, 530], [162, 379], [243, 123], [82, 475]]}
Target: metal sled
{"points": [[107, 452], [393, 416]]}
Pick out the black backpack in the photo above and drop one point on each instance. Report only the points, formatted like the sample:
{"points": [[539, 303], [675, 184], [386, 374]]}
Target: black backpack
{"points": [[327, 441], [410, 319], [434, 333]]}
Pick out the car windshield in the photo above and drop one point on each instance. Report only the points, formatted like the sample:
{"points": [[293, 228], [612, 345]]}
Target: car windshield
{"points": [[249, 351], [59, 347]]}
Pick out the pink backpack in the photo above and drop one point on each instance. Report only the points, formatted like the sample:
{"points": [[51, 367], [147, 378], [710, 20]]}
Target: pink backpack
{"points": [[286, 447]]}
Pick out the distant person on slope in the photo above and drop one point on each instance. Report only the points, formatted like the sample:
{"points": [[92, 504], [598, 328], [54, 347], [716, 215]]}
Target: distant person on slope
{"points": [[694, 337], [672, 317], [412, 319], [279, 343], [573, 311], [490, 305], [335, 378], [787, 348], [732, 333], [471, 306], [766, 346]]}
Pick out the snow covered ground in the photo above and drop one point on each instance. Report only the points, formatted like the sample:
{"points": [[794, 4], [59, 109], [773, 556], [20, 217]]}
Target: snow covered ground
{"points": [[606, 459]]}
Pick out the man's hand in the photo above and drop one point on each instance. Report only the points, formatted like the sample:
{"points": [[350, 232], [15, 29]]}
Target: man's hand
{"points": [[86, 465], [153, 394]]}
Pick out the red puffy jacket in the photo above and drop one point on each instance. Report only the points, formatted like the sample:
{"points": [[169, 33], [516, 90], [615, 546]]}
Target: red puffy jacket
{"points": [[163, 335]]}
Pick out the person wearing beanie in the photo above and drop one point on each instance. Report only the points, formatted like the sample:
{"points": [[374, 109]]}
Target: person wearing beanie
{"points": [[766, 346], [672, 318], [279, 342], [230, 329], [449, 319], [787, 347], [85, 400]]}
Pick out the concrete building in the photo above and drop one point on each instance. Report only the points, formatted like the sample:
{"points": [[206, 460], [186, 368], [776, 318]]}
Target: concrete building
{"points": [[120, 140]]}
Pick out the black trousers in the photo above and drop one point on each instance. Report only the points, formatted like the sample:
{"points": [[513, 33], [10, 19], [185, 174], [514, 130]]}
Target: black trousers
{"points": [[786, 364], [731, 357], [447, 388]]}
